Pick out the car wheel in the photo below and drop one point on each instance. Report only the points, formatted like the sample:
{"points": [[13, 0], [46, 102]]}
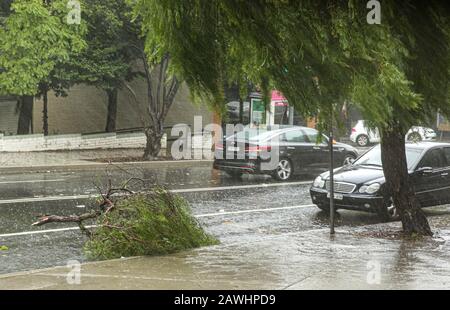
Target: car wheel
{"points": [[284, 170], [362, 140], [414, 137], [388, 211], [349, 159]]}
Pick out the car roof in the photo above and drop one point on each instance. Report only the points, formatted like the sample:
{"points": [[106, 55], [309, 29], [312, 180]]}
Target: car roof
{"points": [[426, 145]]}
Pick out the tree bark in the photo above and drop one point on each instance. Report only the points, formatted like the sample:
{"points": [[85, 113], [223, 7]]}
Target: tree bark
{"points": [[241, 110], [45, 113], [398, 182], [25, 115], [112, 110], [153, 143]]}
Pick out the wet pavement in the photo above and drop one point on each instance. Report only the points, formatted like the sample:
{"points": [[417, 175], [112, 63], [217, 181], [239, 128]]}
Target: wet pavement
{"points": [[257, 218], [296, 260]]}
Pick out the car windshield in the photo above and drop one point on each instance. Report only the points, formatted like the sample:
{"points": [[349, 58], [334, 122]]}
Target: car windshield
{"points": [[373, 157]]}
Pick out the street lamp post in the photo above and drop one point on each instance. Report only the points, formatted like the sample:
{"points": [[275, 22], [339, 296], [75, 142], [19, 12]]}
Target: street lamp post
{"points": [[331, 148], [331, 191]]}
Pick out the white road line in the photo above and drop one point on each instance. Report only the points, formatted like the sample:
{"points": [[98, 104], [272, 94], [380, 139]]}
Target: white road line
{"points": [[264, 185], [253, 211], [31, 181], [43, 199], [175, 191], [36, 232]]}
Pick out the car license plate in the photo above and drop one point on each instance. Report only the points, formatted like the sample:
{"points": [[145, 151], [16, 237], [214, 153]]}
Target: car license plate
{"points": [[233, 149], [336, 196]]}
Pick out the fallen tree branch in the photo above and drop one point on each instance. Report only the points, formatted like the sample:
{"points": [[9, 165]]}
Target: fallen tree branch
{"points": [[104, 206], [66, 219]]}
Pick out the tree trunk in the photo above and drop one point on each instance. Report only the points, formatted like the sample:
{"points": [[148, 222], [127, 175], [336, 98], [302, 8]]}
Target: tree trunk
{"points": [[25, 115], [241, 110], [45, 113], [153, 144], [112, 110], [398, 183]]}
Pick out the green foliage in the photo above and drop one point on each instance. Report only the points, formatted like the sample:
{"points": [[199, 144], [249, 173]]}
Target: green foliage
{"points": [[318, 53], [3, 248], [150, 224], [34, 40], [112, 38]]}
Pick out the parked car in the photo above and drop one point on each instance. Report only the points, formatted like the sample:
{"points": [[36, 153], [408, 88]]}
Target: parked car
{"points": [[361, 185], [299, 150], [363, 136]]}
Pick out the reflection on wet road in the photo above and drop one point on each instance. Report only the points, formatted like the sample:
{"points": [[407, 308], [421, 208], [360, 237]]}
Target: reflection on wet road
{"points": [[86, 182]]}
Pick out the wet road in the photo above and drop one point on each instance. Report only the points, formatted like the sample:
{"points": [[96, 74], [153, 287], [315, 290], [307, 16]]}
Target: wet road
{"points": [[232, 210]]}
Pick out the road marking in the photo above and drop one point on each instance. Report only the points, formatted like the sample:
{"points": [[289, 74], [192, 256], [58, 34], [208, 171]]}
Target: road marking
{"points": [[36, 232], [253, 211], [43, 199], [175, 191], [31, 181], [223, 188]]}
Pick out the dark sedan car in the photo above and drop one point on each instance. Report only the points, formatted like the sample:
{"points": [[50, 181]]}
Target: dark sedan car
{"points": [[279, 152], [361, 185]]}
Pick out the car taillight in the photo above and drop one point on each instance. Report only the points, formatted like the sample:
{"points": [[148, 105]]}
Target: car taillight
{"points": [[259, 148], [353, 130]]}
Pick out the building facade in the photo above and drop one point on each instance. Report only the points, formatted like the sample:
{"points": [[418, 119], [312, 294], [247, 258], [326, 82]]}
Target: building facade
{"points": [[84, 110]]}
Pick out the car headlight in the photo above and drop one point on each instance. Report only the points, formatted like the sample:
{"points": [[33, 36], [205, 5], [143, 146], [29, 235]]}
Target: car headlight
{"points": [[319, 182], [371, 189]]}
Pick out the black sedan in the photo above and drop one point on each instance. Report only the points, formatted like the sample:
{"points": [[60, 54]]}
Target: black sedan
{"points": [[279, 152], [361, 185]]}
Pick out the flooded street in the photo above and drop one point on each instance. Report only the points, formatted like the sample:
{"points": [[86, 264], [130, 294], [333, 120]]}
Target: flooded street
{"points": [[244, 214]]}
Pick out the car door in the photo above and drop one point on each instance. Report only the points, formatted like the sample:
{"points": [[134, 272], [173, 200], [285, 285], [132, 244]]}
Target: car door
{"points": [[428, 185], [297, 148], [319, 150]]}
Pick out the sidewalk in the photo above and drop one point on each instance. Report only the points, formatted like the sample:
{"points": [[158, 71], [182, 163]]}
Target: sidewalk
{"points": [[72, 160], [302, 260]]}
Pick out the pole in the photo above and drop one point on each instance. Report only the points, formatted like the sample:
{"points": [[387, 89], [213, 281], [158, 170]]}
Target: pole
{"points": [[331, 175]]}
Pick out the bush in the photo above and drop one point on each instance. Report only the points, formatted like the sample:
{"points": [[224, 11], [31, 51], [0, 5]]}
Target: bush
{"points": [[146, 224]]}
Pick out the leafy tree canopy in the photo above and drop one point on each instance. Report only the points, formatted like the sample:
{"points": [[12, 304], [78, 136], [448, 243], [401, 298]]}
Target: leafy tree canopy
{"points": [[316, 52], [112, 37], [34, 40]]}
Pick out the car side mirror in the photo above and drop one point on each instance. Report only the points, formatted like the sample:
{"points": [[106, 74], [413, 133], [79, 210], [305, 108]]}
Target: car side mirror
{"points": [[424, 170]]}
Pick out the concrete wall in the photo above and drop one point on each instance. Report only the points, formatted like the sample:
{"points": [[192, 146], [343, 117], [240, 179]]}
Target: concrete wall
{"points": [[37, 142], [201, 144]]}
